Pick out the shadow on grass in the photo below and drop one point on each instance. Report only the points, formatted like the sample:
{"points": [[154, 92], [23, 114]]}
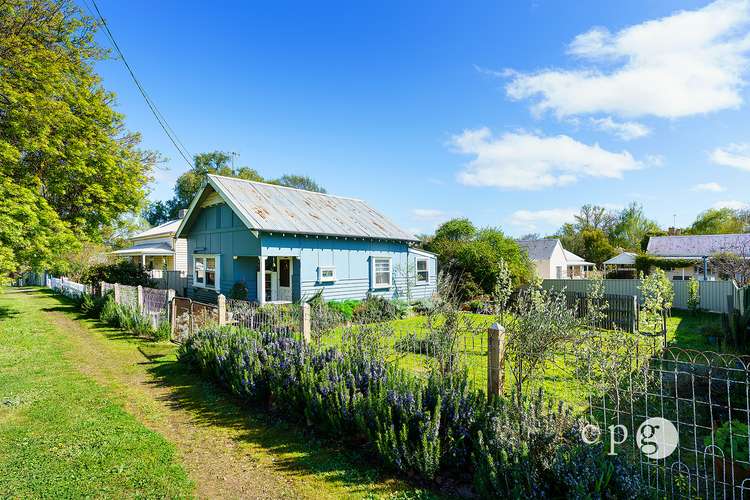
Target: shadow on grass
{"points": [[695, 330], [295, 450], [7, 312]]}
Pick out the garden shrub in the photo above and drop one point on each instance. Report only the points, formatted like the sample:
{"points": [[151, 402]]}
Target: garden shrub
{"points": [[124, 272], [238, 291], [423, 427], [343, 307], [128, 318], [376, 309]]}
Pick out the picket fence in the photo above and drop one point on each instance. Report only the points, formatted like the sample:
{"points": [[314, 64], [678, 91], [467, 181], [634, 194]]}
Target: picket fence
{"points": [[714, 294]]}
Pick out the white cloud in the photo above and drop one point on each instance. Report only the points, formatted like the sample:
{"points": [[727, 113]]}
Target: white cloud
{"points": [[713, 187], [734, 155], [733, 204], [528, 161], [688, 63], [624, 130], [552, 217], [427, 213]]}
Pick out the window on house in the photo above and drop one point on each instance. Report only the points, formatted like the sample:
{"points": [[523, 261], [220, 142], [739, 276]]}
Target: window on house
{"points": [[381, 272], [326, 274], [423, 271], [206, 271]]}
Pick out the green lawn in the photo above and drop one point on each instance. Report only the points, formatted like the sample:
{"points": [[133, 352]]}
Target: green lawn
{"points": [[91, 411], [61, 435], [684, 330]]}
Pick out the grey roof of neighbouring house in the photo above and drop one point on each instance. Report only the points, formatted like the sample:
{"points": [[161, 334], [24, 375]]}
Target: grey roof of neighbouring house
{"points": [[146, 249], [279, 209], [168, 228], [698, 245], [538, 249]]}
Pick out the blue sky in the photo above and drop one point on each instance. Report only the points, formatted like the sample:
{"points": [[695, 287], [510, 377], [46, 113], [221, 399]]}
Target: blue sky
{"points": [[513, 115]]}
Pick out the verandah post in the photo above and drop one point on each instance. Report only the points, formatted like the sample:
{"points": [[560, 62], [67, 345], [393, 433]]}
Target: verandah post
{"points": [[221, 301], [495, 360], [305, 323]]}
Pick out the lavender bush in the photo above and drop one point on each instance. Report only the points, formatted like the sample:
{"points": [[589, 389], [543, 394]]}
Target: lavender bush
{"points": [[427, 427]]}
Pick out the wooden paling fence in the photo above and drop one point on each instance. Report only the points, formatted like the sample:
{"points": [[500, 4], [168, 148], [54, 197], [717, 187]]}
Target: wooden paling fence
{"points": [[620, 311]]}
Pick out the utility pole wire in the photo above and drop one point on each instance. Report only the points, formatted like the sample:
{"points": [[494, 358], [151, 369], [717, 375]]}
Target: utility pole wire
{"points": [[151, 104]]}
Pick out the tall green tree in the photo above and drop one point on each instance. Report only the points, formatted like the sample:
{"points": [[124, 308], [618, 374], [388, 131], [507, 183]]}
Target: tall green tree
{"points": [[217, 163], [299, 182], [719, 221], [595, 246], [631, 227], [60, 139], [474, 257]]}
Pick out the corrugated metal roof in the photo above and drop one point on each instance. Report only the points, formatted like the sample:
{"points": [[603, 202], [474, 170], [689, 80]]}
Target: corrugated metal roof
{"points": [[698, 245], [279, 209], [146, 249], [169, 227], [539, 249]]}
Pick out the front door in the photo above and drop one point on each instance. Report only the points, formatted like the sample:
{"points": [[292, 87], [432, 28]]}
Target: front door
{"points": [[285, 279]]}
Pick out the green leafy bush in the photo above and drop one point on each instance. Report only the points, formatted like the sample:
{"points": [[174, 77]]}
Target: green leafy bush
{"points": [[238, 291], [375, 308], [732, 439], [126, 318], [343, 307], [124, 272]]}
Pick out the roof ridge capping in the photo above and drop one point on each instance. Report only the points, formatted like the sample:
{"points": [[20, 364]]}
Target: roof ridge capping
{"points": [[285, 187], [719, 235]]}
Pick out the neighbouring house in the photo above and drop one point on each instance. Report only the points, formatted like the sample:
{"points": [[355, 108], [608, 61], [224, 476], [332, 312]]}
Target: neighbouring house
{"points": [[161, 253], [698, 248], [552, 261], [621, 266], [286, 245]]}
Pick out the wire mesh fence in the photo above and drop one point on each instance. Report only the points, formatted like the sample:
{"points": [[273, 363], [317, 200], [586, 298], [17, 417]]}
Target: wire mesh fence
{"points": [[156, 305], [128, 296], [704, 396], [188, 317]]}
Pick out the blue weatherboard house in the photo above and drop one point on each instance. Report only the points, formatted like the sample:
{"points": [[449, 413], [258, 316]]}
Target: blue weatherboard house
{"points": [[287, 244]]}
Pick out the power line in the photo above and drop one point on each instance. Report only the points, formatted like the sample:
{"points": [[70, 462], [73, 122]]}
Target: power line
{"points": [[179, 146]]}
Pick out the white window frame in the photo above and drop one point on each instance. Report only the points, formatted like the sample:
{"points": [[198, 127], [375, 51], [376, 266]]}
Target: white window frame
{"points": [[426, 270], [322, 269], [217, 271], [381, 286]]}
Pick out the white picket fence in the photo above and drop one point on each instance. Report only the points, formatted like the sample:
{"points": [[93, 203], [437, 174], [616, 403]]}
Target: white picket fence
{"points": [[66, 287]]}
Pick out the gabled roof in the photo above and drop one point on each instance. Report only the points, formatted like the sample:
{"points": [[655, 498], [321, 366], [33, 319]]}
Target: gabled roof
{"points": [[280, 209], [539, 249], [698, 245], [169, 228], [623, 259]]}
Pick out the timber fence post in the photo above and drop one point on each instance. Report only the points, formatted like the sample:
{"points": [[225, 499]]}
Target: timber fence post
{"points": [[140, 299], [495, 360], [305, 323], [221, 301]]}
